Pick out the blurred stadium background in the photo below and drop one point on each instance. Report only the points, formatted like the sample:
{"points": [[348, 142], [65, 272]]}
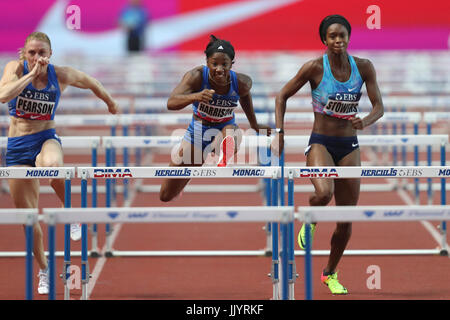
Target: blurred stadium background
{"points": [[273, 38]]}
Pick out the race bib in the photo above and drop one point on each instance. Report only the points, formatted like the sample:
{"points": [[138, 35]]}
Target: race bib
{"points": [[342, 105], [218, 110], [35, 105]]}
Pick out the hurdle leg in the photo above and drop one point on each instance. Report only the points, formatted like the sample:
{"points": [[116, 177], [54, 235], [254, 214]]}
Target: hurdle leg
{"points": [[108, 229], [51, 257], [395, 156], [443, 231], [443, 226], [416, 163], [430, 163], [284, 262], [125, 164], [268, 199], [66, 264], [29, 258], [94, 251], [85, 276], [275, 251], [84, 240], [268, 226], [292, 267], [404, 182], [308, 258]]}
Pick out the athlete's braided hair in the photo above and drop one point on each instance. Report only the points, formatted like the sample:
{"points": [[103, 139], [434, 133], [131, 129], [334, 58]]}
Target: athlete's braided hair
{"points": [[218, 45]]}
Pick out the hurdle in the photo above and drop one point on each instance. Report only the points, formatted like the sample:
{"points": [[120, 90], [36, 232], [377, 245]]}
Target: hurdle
{"points": [[109, 173], [187, 172], [309, 215], [404, 141], [66, 173], [68, 142], [282, 215], [375, 172], [27, 217]]}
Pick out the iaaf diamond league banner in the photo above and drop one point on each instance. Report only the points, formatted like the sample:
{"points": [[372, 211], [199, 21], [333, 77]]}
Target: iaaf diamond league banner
{"points": [[92, 27]]}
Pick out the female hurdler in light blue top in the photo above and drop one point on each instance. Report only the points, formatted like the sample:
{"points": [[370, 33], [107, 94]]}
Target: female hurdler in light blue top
{"points": [[336, 79]]}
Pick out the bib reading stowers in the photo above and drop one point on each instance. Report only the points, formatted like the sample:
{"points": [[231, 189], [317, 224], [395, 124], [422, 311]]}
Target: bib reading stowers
{"points": [[335, 98]]}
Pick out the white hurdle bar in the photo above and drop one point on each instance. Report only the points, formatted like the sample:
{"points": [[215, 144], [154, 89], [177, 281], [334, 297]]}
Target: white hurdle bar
{"points": [[310, 215], [26, 217], [274, 173], [283, 215], [441, 172], [110, 173], [66, 173]]}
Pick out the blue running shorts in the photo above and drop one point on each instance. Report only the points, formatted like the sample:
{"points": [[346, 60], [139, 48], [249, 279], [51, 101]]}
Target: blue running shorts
{"points": [[338, 147], [201, 135], [24, 150]]}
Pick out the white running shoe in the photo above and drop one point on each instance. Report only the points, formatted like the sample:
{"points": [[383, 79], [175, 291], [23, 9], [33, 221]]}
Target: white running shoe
{"points": [[75, 231], [43, 282]]}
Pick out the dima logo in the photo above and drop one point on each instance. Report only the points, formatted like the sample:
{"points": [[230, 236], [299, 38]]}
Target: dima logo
{"points": [[318, 173], [112, 173]]}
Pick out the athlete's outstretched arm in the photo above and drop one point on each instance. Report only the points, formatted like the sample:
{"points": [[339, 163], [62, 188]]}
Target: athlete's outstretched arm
{"points": [[370, 78], [68, 76], [288, 90], [185, 92]]}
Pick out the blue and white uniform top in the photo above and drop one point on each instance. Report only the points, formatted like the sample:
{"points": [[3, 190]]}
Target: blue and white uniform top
{"points": [[36, 104], [221, 107], [334, 98]]}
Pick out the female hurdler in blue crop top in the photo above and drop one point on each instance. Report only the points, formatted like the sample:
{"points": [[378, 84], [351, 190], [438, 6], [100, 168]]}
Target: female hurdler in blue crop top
{"points": [[335, 98], [34, 104]]}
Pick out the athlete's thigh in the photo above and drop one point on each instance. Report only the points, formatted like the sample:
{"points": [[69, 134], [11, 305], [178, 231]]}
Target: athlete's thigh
{"points": [[347, 190], [25, 192], [51, 154], [318, 156]]}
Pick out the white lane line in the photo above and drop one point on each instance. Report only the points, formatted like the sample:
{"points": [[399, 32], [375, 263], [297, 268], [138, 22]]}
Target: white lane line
{"points": [[426, 224], [407, 199], [116, 229]]}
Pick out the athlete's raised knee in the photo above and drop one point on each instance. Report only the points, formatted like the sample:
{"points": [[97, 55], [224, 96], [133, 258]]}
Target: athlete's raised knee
{"points": [[165, 195], [48, 161], [321, 198]]}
